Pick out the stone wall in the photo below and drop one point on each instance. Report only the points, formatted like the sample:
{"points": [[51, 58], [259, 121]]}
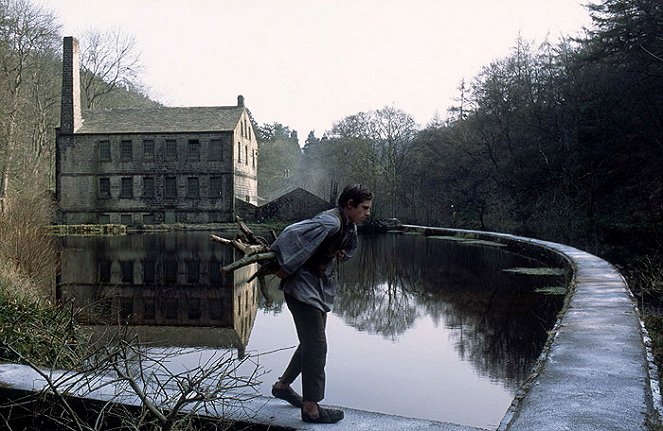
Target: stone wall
{"points": [[84, 167], [245, 151]]}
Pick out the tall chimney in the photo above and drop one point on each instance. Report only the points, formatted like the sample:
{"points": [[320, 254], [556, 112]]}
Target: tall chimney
{"points": [[240, 101], [70, 112]]}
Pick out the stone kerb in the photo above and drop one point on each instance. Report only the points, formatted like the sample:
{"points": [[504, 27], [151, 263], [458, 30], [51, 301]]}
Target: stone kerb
{"points": [[596, 372]]}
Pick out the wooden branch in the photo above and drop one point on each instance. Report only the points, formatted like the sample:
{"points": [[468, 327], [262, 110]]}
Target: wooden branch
{"points": [[268, 267], [255, 249], [253, 239], [246, 249], [247, 260], [220, 240]]}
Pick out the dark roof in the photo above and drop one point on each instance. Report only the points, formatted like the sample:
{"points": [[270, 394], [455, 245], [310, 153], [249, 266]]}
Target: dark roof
{"points": [[297, 204], [162, 120]]}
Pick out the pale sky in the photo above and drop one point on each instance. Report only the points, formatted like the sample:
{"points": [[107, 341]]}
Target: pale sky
{"points": [[310, 63]]}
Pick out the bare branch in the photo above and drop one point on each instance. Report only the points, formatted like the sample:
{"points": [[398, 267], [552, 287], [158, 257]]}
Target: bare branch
{"points": [[109, 60], [248, 260]]}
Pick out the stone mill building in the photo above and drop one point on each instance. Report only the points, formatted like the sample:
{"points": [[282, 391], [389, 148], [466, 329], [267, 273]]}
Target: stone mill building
{"points": [[157, 165]]}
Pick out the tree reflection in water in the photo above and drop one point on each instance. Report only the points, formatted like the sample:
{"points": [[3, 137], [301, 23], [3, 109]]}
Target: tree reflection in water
{"points": [[373, 293], [498, 321]]}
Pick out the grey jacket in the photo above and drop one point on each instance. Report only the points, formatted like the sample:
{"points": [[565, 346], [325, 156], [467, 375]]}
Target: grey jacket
{"points": [[298, 243]]}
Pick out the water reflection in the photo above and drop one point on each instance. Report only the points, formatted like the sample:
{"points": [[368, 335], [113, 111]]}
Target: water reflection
{"points": [[413, 308], [167, 287], [498, 320]]}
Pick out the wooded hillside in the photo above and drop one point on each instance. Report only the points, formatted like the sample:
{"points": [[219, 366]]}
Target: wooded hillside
{"points": [[561, 141]]}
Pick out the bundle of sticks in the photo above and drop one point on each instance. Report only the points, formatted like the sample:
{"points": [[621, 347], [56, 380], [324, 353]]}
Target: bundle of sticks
{"points": [[255, 249]]}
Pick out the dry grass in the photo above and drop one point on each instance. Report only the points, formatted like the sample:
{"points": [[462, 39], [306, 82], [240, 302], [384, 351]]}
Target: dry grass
{"points": [[27, 250], [32, 327]]}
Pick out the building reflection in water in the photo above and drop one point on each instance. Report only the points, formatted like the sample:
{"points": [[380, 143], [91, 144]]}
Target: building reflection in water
{"points": [[166, 287]]}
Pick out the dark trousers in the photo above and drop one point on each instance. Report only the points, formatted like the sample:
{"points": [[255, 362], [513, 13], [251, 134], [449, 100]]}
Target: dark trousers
{"points": [[311, 355]]}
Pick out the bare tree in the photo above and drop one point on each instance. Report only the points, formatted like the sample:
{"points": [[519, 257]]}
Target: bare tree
{"points": [[381, 142], [27, 35], [136, 389], [109, 61]]}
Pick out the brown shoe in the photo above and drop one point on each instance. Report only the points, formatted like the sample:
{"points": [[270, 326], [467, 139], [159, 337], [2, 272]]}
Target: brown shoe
{"points": [[325, 416], [288, 395]]}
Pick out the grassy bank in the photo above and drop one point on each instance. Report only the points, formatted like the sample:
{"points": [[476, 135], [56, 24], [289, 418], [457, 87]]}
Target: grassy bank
{"points": [[32, 328], [644, 275]]}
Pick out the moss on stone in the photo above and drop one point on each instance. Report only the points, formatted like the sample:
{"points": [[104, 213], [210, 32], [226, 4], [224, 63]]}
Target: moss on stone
{"points": [[537, 271], [552, 290]]}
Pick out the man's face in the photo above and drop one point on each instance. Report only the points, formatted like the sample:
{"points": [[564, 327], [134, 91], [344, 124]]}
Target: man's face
{"points": [[359, 213]]}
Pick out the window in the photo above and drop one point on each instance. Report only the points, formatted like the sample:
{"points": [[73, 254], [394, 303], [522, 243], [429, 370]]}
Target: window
{"points": [[149, 309], [194, 149], [104, 188], [104, 271], [239, 153], [170, 217], [192, 188], [194, 308], [193, 271], [148, 149], [170, 271], [148, 188], [246, 155], [127, 268], [126, 219], [171, 306], [126, 151], [216, 149], [216, 187], [216, 310], [170, 191], [104, 218], [253, 152], [148, 271], [171, 149], [104, 151], [148, 218], [215, 270], [126, 309], [127, 189]]}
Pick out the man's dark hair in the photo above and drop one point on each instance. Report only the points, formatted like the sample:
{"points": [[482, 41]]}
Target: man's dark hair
{"points": [[356, 193]]}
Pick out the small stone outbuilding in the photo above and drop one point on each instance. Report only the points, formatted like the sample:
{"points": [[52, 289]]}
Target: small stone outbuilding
{"points": [[145, 166], [297, 204]]}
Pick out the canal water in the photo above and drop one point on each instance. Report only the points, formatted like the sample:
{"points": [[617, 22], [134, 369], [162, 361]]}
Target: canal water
{"points": [[428, 327]]}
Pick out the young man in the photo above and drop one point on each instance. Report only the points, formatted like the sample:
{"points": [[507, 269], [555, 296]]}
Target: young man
{"points": [[306, 253]]}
